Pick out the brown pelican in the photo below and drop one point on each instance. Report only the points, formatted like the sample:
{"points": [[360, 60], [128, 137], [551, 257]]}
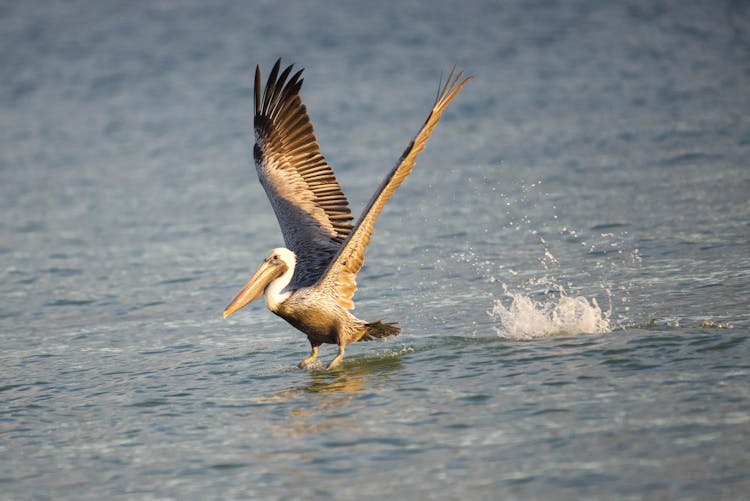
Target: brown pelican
{"points": [[311, 282]]}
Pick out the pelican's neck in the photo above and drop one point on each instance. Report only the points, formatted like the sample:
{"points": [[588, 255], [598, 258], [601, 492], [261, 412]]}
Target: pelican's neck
{"points": [[276, 292]]}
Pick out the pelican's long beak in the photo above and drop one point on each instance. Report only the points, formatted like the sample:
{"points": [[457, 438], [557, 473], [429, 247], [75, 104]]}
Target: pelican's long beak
{"points": [[255, 287]]}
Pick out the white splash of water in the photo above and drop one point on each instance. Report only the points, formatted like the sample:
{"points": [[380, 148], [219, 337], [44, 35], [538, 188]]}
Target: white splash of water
{"points": [[525, 318], [555, 271]]}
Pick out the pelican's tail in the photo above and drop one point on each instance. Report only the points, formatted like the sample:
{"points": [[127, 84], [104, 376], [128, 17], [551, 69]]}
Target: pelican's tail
{"points": [[377, 330]]}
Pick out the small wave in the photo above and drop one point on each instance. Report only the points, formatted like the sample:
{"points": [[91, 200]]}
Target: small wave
{"points": [[526, 318]]}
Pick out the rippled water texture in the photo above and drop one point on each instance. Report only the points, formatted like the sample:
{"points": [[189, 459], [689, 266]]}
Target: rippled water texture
{"points": [[569, 261]]}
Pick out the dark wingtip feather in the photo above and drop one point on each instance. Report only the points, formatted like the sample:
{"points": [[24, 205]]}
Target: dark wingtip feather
{"points": [[258, 88], [277, 91], [270, 83]]}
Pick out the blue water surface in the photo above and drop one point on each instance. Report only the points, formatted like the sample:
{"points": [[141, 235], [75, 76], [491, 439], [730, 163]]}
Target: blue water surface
{"points": [[569, 261]]}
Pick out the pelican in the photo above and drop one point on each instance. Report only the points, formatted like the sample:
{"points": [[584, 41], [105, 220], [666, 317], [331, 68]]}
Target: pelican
{"points": [[310, 282]]}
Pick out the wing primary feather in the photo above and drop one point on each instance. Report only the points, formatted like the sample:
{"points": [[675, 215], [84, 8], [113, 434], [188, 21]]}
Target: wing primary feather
{"points": [[277, 90], [270, 83], [258, 88], [291, 88]]}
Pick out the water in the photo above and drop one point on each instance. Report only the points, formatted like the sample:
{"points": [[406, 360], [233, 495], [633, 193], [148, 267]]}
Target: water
{"points": [[569, 261]]}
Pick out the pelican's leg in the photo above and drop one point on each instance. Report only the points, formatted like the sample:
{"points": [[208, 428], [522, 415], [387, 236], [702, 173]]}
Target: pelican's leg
{"points": [[336, 361], [311, 358]]}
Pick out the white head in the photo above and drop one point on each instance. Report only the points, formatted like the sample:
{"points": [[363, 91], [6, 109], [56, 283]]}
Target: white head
{"points": [[271, 277]]}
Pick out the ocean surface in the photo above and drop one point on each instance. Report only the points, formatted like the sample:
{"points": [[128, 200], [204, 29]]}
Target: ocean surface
{"points": [[569, 261]]}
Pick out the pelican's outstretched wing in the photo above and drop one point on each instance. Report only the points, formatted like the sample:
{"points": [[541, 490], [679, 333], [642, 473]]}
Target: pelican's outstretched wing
{"points": [[342, 272], [312, 210]]}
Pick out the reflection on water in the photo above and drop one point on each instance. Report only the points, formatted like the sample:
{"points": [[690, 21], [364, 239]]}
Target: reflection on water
{"points": [[352, 377], [336, 394]]}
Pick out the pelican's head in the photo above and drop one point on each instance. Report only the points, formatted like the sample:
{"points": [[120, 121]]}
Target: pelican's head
{"points": [[277, 267]]}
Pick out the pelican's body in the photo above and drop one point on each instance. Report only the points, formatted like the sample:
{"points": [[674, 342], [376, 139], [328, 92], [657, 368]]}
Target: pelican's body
{"points": [[310, 282]]}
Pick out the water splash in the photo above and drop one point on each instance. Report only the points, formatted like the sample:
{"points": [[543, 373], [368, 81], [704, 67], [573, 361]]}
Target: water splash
{"points": [[525, 318], [552, 272]]}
